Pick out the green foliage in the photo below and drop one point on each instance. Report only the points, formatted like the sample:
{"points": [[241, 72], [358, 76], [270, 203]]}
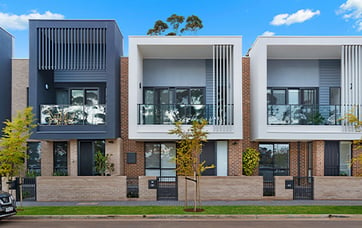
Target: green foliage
{"points": [[251, 158], [189, 148], [103, 164], [353, 119], [193, 24], [13, 144]]}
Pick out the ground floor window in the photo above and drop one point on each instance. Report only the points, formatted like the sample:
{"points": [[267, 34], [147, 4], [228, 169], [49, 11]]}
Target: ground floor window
{"points": [[33, 163], [159, 159], [60, 159], [274, 159]]}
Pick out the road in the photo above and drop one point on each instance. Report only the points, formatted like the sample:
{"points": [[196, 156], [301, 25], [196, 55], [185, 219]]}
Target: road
{"points": [[164, 223]]}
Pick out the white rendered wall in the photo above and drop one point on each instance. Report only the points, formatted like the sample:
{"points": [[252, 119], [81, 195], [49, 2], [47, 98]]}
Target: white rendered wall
{"points": [[222, 158], [174, 72]]}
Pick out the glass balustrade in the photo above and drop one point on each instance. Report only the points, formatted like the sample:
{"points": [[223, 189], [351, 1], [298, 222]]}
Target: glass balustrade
{"points": [[305, 114], [186, 113], [72, 114]]}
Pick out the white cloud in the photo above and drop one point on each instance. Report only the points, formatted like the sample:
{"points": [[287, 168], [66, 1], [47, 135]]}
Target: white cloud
{"points": [[352, 9], [298, 17], [20, 22], [268, 33]]}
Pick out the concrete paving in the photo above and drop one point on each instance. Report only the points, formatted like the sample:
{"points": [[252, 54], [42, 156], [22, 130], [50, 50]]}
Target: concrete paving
{"points": [[205, 203]]}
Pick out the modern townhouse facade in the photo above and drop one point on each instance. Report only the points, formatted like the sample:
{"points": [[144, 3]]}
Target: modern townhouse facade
{"points": [[301, 88], [285, 98], [6, 54], [74, 91]]}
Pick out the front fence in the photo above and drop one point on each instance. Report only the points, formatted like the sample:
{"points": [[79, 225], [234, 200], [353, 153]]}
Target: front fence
{"points": [[167, 188], [303, 188]]}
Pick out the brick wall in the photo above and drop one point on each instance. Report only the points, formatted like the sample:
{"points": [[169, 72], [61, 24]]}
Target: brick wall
{"points": [[357, 167], [224, 188], [47, 158], [318, 158], [67, 188], [337, 188], [144, 193], [20, 81], [131, 170], [280, 192]]}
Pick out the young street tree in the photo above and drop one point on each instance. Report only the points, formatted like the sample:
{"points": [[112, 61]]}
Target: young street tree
{"points": [[188, 151], [13, 144], [193, 24], [353, 119]]}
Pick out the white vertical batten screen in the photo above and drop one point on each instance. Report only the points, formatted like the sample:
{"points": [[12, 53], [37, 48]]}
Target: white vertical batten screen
{"points": [[351, 81], [223, 85], [71, 48]]}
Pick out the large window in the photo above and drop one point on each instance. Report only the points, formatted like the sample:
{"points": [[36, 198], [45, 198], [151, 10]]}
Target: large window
{"points": [[168, 104], [159, 159], [274, 160], [34, 159], [60, 159], [292, 96]]}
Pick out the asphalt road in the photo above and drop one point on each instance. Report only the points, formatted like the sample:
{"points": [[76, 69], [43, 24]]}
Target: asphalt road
{"points": [[164, 223]]}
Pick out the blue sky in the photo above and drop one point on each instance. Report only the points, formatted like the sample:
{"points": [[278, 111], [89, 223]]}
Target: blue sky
{"points": [[248, 18]]}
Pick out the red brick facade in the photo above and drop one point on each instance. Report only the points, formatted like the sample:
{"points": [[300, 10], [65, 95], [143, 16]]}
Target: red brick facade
{"points": [[298, 154]]}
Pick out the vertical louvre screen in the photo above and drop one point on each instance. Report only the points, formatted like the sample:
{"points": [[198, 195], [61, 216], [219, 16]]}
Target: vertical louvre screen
{"points": [[222, 84], [71, 48], [352, 79]]}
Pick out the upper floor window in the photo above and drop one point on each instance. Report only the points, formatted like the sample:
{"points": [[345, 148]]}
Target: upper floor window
{"points": [[292, 96], [170, 95], [78, 96]]}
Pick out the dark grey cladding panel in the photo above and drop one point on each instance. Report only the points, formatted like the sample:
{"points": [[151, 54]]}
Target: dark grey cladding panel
{"points": [[80, 76]]}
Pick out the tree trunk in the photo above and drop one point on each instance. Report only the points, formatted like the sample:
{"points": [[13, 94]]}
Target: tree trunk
{"points": [[195, 193]]}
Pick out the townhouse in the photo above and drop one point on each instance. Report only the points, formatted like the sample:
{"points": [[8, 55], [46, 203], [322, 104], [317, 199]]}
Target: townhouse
{"points": [[6, 54], [301, 89], [285, 98]]}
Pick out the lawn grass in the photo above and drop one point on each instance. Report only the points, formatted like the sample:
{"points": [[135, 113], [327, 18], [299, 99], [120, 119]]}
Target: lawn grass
{"points": [[179, 210]]}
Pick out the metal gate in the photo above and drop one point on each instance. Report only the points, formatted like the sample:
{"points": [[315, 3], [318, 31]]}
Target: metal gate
{"points": [[167, 188], [268, 186], [303, 188], [28, 189]]}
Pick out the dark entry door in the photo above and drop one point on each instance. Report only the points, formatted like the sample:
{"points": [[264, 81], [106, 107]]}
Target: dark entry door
{"points": [[331, 158], [85, 159]]}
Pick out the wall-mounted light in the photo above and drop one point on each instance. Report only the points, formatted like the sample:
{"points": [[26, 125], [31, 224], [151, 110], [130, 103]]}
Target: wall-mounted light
{"points": [[140, 85], [46, 86]]}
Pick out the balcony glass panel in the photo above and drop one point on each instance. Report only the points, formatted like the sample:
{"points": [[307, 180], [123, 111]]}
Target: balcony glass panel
{"points": [[72, 114], [304, 114], [186, 113]]}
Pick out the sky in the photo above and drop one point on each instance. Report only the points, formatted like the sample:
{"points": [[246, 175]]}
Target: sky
{"points": [[246, 18]]}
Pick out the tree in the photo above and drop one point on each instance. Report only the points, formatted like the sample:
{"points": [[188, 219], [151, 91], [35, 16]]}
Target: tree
{"points": [[158, 28], [188, 151], [13, 144], [193, 24], [353, 119]]}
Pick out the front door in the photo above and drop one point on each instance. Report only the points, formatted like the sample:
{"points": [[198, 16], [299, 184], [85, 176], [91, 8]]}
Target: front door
{"points": [[331, 158], [86, 160]]}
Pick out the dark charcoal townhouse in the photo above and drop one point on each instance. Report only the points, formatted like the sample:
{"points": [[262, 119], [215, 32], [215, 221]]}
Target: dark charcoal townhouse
{"points": [[74, 91], [6, 50]]}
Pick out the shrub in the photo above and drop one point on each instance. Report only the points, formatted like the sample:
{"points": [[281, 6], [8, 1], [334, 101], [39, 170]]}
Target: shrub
{"points": [[251, 158]]}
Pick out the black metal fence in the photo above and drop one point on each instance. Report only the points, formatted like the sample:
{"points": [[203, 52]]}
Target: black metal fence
{"points": [[28, 186], [132, 187], [167, 188], [303, 188]]}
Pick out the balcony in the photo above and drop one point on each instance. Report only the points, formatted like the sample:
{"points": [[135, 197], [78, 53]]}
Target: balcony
{"points": [[305, 114], [72, 114], [167, 114]]}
